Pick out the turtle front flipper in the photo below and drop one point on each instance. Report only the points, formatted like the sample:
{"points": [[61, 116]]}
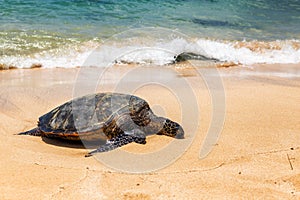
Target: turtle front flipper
{"points": [[33, 132], [120, 140]]}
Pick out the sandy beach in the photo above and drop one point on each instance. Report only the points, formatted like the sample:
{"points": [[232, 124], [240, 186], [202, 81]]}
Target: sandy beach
{"points": [[255, 157]]}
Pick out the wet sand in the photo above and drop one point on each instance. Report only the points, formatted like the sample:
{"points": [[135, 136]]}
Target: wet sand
{"points": [[255, 156]]}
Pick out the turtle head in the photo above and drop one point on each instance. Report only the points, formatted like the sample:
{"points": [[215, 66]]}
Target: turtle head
{"points": [[171, 129]]}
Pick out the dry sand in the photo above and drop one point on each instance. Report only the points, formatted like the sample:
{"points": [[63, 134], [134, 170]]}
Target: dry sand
{"points": [[256, 155]]}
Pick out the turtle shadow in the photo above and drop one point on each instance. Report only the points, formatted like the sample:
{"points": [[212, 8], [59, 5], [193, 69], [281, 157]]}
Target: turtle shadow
{"points": [[73, 144]]}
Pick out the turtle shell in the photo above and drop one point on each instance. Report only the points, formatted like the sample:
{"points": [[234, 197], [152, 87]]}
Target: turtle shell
{"points": [[86, 117]]}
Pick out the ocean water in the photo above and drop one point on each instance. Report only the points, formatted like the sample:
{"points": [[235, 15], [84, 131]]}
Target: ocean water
{"points": [[64, 33]]}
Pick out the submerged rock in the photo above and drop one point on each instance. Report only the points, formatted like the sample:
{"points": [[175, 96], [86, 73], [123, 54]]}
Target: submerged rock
{"points": [[193, 56]]}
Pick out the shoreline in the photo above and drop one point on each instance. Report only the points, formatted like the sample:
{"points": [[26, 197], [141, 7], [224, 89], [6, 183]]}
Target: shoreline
{"points": [[257, 153], [140, 50]]}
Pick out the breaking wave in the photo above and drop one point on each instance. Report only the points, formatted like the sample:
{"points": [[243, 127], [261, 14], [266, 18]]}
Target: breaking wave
{"points": [[98, 54]]}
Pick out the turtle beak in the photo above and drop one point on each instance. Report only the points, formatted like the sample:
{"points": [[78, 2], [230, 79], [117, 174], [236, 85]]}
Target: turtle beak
{"points": [[180, 133], [179, 136]]}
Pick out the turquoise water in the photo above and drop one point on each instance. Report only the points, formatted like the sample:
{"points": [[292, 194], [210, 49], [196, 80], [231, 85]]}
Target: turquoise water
{"points": [[32, 27]]}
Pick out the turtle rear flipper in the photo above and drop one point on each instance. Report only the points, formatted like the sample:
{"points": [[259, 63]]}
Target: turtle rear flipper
{"points": [[121, 140], [33, 132]]}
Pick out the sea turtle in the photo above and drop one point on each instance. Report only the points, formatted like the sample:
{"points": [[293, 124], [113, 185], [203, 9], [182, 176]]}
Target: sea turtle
{"points": [[117, 118]]}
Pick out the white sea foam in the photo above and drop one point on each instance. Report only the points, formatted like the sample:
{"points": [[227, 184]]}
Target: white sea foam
{"points": [[284, 53], [159, 53]]}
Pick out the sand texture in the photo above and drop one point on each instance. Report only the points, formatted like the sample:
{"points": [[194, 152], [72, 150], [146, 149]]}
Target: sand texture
{"points": [[256, 156]]}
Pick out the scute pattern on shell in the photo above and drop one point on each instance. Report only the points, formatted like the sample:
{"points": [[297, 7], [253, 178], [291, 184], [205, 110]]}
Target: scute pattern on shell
{"points": [[92, 112]]}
